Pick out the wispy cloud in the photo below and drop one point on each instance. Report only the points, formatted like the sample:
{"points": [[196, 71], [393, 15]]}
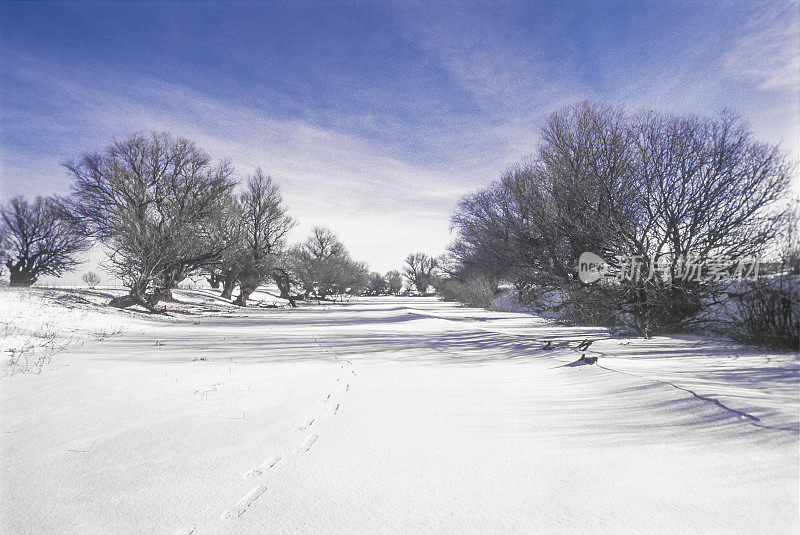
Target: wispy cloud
{"points": [[328, 177], [769, 50]]}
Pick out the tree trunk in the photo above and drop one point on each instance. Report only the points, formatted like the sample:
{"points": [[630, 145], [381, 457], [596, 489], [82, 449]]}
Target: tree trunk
{"points": [[163, 294], [244, 294], [228, 284], [215, 281], [281, 279], [124, 301], [19, 276], [168, 283], [137, 297], [21, 279]]}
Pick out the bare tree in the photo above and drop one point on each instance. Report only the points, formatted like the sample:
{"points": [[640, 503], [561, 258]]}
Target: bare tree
{"points": [[711, 190], [356, 278], [378, 285], [90, 279], [227, 224], [324, 267], [39, 238], [709, 186], [319, 261], [285, 278], [394, 280], [149, 199], [420, 270], [263, 236]]}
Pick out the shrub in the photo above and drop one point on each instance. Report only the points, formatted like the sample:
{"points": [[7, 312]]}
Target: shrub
{"points": [[767, 312], [477, 291]]}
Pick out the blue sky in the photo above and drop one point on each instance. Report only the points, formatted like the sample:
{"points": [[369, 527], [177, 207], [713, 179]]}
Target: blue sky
{"points": [[374, 117]]}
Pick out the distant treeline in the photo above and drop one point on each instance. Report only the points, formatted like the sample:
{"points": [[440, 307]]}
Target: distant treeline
{"points": [[164, 211]]}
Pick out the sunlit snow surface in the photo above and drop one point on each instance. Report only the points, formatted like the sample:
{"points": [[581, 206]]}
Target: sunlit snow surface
{"points": [[383, 415]]}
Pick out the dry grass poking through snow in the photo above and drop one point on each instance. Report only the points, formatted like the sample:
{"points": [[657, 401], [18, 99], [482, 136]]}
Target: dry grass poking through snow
{"points": [[38, 323]]}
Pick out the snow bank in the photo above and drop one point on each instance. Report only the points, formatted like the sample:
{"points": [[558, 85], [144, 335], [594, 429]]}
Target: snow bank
{"points": [[37, 323]]}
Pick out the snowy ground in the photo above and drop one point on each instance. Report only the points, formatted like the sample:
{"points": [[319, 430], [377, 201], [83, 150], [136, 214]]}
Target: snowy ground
{"points": [[390, 415]]}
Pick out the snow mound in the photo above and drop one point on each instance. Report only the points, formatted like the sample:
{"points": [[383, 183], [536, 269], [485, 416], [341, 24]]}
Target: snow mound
{"points": [[37, 323]]}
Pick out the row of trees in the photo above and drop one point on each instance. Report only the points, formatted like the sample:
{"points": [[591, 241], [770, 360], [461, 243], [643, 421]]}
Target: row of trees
{"points": [[163, 210], [659, 187]]}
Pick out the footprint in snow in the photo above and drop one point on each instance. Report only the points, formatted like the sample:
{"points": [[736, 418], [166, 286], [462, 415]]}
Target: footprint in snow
{"points": [[307, 443], [333, 409], [263, 467], [243, 503], [325, 398], [305, 425]]}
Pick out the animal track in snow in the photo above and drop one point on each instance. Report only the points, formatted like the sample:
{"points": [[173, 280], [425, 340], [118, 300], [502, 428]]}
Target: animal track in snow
{"points": [[263, 467], [325, 398], [307, 443], [333, 409], [305, 425], [243, 503]]}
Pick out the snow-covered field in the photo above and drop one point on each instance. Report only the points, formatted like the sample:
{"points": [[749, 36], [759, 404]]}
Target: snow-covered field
{"points": [[388, 415]]}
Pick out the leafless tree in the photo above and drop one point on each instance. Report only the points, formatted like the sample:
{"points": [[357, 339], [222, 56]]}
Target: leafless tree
{"points": [[420, 270], [378, 285], [709, 187], [356, 280], [285, 278], [711, 190], [394, 280], [319, 260], [227, 225], [90, 279], [265, 225], [149, 199], [39, 238], [324, 267]]}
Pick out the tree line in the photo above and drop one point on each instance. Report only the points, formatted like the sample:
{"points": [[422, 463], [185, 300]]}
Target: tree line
{"points": [[163, 210], [658, 187]]}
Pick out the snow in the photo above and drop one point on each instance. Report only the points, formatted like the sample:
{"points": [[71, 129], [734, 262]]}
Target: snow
{"points": [[392, 415]]}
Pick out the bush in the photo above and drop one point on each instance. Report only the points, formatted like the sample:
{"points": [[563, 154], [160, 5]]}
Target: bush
{"points": [[475, 291], [598, 305], [767, 312]]}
